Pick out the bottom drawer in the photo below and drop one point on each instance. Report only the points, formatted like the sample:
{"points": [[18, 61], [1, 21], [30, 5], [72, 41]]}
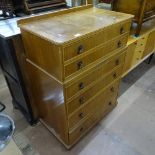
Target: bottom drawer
{"points": [[105, 104]]}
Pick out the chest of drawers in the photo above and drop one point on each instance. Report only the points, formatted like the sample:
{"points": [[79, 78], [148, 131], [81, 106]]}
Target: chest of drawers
{"points": [[143, 10], [74, 61]]}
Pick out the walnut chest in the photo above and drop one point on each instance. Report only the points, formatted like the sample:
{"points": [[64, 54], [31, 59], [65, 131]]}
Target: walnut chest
{"points": [[74, 61]]}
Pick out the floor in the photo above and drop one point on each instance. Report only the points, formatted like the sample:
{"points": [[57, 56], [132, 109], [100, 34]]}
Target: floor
{"points": [[127, 130]]}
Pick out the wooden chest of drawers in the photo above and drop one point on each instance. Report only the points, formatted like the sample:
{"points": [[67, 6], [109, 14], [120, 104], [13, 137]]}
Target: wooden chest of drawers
{"points": [[74, 63]]}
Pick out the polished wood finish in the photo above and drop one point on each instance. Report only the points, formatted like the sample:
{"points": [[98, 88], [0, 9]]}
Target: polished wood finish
{"points": [[150, 45], [104, 104], [73, 57], [140, 48], [143, 10]]}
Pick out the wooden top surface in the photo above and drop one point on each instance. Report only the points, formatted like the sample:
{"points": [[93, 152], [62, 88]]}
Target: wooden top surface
{"points": [[72, 24]]}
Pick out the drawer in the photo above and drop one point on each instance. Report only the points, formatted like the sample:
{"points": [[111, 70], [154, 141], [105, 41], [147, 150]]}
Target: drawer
{"points": [[150, 45], [87, 108], [140, 47], [104, 108], [141, 44], [84, 98], [83, 45], [100, 70], [95, 54]]}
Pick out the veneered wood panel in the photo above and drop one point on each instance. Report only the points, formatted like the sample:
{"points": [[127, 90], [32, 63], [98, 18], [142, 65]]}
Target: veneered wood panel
{"points": [[150, 45], [44, 54], [48, 97]]}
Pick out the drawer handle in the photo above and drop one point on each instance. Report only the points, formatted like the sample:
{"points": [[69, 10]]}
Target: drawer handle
{"points": [[80, 65], [80, 49], [114, 75], [112, 89], [117, 62], [81, 100], [81, 115], [81, 85], [81, 129], [119, 44], [110, 103], [122, 30]]}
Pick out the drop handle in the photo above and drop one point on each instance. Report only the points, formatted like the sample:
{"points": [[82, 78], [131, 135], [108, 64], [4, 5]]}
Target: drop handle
{"points": [[81, 129], [81, 115], [81, 100], [114, 75], [80, 49], [80, 65], [122, 30], [112, 89], [119, 44], [117, 62], [81, 85]]}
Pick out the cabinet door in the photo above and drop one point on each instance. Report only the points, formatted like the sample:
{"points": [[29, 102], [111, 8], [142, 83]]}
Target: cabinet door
{"points": [[150, 45], [7, 57], [129, 57]]}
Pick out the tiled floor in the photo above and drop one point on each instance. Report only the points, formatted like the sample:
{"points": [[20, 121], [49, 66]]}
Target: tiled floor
{"points": [[128, 130]]}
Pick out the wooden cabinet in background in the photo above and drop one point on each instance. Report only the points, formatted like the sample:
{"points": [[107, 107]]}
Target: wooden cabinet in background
{"points": [[74, 62], [143, 10]]}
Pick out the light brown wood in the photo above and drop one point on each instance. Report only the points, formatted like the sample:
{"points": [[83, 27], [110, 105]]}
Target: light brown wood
{"points": [[97, 53], [83, 111], [150, 45], [105, 104], [51, 44], [99, 71], [49, 100], [73, 50], [84, 95], [139, 48], [129, 56]]}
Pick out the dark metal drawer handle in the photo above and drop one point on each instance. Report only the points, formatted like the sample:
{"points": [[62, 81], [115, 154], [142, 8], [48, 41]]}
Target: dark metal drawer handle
{"points": [[80, 49], [112, 89], [119, 44], [81, 100], [81, 129], [110, 103], [81, 85], [117, 62], [81, 115], [80, 65], [115, 75], [122, 30]]}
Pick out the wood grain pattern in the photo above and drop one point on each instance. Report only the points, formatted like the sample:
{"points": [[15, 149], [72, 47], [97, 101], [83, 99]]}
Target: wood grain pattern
{"points": [[56, 45], [105, 104]]}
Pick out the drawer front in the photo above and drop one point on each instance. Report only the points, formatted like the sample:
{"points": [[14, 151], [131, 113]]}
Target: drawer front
{"points": [[88, 108], [84, 98], [100, 70], [140, 47], [80, 47], [150, 45], [96, 54], [105, 105]]}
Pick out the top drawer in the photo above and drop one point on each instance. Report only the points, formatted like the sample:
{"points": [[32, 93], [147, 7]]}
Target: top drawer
{"points": [[79, 47]]}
